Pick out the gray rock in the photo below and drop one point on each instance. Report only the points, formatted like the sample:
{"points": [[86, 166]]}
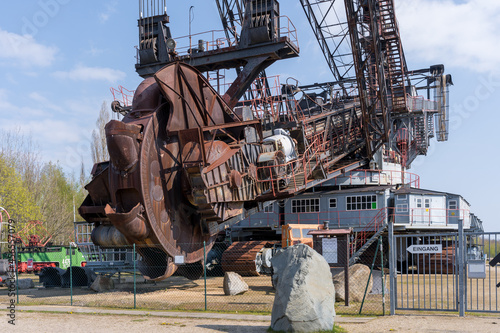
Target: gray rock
{"points": [[358, 275], [102, 283], [4, 266], [26, 284], [305, 294], [234, 284]]}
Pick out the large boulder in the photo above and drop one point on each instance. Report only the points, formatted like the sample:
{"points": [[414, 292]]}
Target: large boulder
{"points": [[305, 295], [234, 284], [358, 275], [102, 283]]}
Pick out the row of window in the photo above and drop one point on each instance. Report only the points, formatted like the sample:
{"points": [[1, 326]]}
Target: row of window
{"points": [[403, 208], [452, 204], [358, 202]]}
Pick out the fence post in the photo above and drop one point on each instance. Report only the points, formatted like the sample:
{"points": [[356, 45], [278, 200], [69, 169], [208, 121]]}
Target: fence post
{"points": [[461, 262], [392, 269], [71, 272], [17, 273], [205, 272], [382, 273], [135, 277]]}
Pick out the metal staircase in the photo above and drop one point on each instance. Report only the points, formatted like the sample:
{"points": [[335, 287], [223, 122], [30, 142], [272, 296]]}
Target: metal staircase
{"points": [[375, 228], [420, 135], [394, 53]]}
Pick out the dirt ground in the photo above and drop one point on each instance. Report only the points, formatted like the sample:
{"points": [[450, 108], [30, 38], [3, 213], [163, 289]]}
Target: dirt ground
{"points": [[175, 293], [71, 322], [428, 323]]}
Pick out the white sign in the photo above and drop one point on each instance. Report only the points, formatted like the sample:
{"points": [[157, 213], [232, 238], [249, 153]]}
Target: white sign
{"points": [[330, 250], [425, 248], [477, 269], [179, 260]]}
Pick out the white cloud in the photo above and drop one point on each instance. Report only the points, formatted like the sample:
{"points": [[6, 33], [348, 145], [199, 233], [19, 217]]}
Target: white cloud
{"points": [[461, 34], [83, 73], [110, 9], [44, 102], [24, 50]]}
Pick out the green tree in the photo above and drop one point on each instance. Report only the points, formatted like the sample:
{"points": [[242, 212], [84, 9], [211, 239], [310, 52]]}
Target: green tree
{"points": [[57, 202], [32, 190], [14, 196]]}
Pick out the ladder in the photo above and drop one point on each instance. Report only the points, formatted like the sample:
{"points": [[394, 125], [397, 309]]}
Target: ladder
{"points": [[395, 60]]}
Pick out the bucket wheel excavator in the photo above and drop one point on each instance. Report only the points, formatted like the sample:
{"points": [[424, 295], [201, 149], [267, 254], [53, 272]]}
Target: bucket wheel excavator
{"points": [[186, 163]]}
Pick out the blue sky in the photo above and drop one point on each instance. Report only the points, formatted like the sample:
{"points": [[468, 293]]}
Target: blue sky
{"points": [[58, 59]]}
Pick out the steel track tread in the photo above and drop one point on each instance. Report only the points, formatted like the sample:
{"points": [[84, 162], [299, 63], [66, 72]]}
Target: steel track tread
{"points": [[240, 257]]}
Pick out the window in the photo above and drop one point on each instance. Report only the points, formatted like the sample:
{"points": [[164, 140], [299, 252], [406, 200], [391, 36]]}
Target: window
{"points": [[305, 205], [427, 203], [269, 209], [361, 202], [452, 204], [401, 208], [401, 197], [333, 202], [419, 203], [305, 231]]}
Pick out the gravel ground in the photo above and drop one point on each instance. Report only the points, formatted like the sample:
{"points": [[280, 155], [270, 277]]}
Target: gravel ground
{"points": [[71, 322], [51, 322], [429, 323]]}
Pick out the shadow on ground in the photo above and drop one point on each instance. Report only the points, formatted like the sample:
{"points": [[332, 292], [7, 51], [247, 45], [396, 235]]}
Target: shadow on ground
{"points": [[235, 328]]}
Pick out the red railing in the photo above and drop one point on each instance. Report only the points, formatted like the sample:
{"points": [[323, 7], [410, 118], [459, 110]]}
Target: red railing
{"points": [[370, 229], [123, 95], [367, 219], [337, 219]]}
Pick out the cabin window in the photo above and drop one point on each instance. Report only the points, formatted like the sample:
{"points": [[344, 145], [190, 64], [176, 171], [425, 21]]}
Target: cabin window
{"points": [[333, 202], [452, 204], [269, 209], [402, 208], [296, 233], [361, 202], [427, 203], [419, 203], [305, 205], [305, 233], [401, 197]]}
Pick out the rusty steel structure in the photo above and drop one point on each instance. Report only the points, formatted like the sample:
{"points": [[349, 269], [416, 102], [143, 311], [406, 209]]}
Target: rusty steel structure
{"points": [[362, 46], [186, 163], [32, 234]]}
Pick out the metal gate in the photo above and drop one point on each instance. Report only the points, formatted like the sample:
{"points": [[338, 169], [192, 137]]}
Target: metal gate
{"points": [[482, 287], [454, 271], [427, 272]]}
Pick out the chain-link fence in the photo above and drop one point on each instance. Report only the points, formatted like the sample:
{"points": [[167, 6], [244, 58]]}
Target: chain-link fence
{"points": [[192, 286]]}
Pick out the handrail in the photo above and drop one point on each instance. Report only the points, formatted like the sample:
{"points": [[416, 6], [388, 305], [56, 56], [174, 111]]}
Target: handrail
{"points": [[126, 95], [413, 179], [212, 41], [372, 227], [431, 216]]}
